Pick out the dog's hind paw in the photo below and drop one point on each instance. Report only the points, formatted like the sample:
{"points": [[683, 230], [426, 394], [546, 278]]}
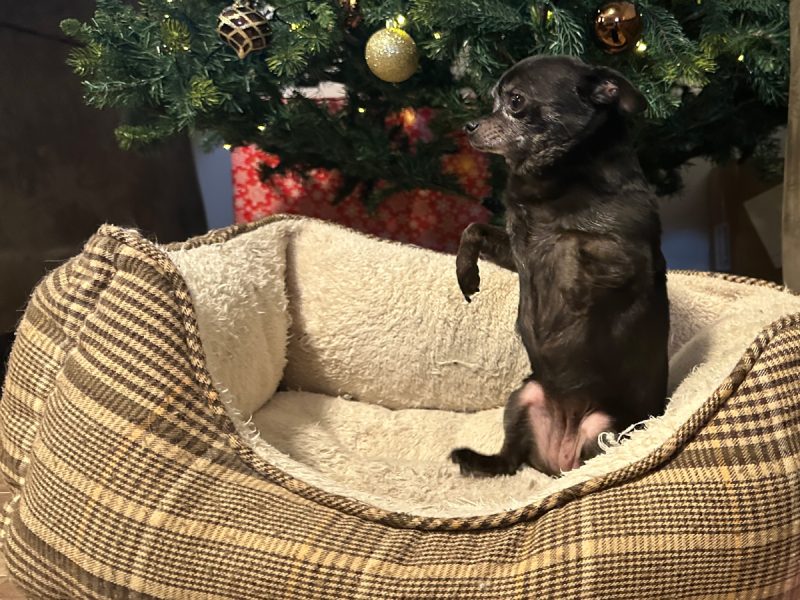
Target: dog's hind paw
{"points": [[465, 459], [475, 464]]}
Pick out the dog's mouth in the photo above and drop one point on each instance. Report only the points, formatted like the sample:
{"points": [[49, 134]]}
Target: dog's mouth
{"points": [[478, 142], [489, 137], [478, 145]]}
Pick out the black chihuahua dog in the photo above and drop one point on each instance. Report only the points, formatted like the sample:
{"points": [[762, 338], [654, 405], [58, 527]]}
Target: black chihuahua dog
{"points": [[583, 233]]}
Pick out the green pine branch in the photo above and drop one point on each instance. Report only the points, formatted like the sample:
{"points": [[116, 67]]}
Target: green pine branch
{"points": [[715, 74]]}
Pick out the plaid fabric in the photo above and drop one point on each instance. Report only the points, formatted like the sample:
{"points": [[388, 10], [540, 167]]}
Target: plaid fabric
{"points": [[130, 481]]}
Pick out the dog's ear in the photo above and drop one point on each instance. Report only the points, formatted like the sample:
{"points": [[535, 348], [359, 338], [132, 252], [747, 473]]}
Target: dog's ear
{"points": [[607, 87]]}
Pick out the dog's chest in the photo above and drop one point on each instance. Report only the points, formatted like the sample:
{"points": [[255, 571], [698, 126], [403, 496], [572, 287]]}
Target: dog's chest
{"points": [[535, 238], [547, 258]]}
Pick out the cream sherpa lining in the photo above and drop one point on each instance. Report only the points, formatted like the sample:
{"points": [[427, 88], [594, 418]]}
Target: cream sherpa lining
{"points": [[396, 369]]}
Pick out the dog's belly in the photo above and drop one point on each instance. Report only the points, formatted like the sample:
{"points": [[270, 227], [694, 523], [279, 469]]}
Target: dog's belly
{"points": [[577, 340], [593, 317], [549, 321], [562, 359], [563, 433]]}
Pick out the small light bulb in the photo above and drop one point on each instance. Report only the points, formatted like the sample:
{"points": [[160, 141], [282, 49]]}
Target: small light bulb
{"points": [[549, 15], [294, 26], [437, 35], [400, 20], [362, 110], [741, 58], [185, 47], [262, 127], [641, 47], [227, 146]]}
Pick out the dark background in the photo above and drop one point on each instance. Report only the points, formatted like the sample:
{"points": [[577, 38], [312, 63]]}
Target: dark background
{"points": [[61, 172]]}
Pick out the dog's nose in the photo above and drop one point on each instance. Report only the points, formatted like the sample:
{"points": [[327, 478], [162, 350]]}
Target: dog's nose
{"points": [[471, 126]]}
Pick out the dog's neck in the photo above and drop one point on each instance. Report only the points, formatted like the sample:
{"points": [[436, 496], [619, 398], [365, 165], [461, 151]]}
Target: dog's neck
{"points": [[604, 162]]}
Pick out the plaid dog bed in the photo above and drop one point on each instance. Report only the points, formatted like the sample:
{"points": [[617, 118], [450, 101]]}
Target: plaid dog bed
{"points": [[140, 469]]}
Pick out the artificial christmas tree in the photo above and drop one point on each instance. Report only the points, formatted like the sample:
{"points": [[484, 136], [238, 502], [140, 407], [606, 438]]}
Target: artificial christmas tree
{"points": [[715, 74]]}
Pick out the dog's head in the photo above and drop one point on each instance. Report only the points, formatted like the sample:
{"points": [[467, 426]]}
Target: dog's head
{"points": [[545, 106]]}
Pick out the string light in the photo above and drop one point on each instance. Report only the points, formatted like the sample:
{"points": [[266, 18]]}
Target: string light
{"points": [[227, 146], [295, 26], [549, 15], [741, 58], [409, 116], [437, 35], [362, 110], [262, 128], [396, 21], [641, 47]]}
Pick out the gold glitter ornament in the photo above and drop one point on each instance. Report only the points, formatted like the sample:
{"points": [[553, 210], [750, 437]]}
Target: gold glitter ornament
{"points": [[391, 55]]}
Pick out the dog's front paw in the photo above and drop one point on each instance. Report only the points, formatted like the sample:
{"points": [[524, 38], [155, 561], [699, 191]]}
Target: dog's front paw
{"points": [[469, 280]]}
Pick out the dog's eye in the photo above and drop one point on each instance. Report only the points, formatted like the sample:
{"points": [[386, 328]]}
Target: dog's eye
{"points": [[516, 101]]}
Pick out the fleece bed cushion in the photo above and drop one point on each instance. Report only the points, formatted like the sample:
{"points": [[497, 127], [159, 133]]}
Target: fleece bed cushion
{"points": [[266, 411]]}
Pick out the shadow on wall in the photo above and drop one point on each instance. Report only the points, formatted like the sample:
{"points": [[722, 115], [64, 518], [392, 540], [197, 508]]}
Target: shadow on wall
{"points": [[62, 174], [214, 176], [6, 339], [686, 240]]}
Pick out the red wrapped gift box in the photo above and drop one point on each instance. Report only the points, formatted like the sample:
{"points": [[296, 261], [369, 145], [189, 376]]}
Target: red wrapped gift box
{"points": [[428, 218]]}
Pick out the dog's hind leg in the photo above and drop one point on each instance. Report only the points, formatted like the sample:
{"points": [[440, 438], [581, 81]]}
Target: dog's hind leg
{"points": [[516, 446], [481, 241], [550, 435]]}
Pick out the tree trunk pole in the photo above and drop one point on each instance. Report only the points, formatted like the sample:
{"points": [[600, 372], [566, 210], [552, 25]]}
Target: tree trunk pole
{"points": [[791, 192]]}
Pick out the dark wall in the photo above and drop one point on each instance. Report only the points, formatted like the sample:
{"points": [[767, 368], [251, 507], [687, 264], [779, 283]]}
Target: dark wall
{"points": [[61, 172]]}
